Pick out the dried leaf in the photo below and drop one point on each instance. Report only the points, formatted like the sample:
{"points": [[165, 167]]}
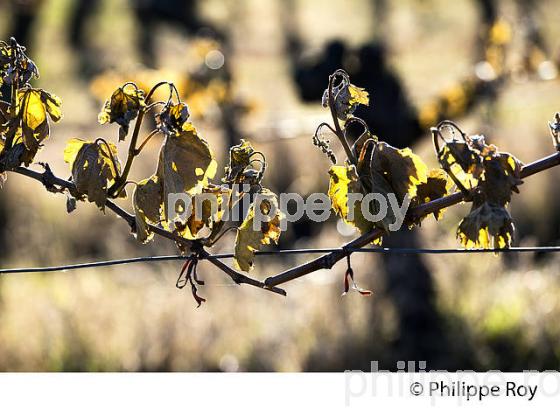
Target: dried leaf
{"points": [[123, 106], [95, 166], [457, 158], [186, 163], [14, 64], [437, 186], [206, 216], [147, 202], [402, 169], [173, 118], [344, 181], [486, 226], [346, 97], [489, 224], [29, 127], [239, 160], [249, 240], [502, 174]]}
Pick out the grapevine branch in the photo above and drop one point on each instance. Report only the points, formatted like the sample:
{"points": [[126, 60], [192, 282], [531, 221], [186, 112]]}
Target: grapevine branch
{"points": [[51, 182], [330, 259]]}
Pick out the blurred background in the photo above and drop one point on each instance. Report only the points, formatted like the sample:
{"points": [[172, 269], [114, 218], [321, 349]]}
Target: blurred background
{"points": [[256, 69]]}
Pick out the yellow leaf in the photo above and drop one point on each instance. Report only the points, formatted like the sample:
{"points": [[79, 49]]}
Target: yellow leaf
{"points": [[186, 163], [147, 202], [95, 166], [358, 95], [437, 186], [71, 150], [239, 160], [343, 180], [486, 226], [173, 118], [249, 240], [123, 106]]}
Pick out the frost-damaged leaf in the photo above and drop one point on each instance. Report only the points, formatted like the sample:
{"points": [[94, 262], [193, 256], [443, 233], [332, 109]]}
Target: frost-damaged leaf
{"points": [[437, 186], [486, 226], [458, 159], [207, 211], [344, 181], [401, 168], [14, 64], [173, 118], [347, 97], [123, 106], [239, 160], [147, 201], [186, 163], [29, 127], [95, 165], [489, 224], [383, 170], [249, 240]]}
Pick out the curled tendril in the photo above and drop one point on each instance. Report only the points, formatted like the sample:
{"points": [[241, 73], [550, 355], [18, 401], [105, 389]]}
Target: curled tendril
{"points": [[188, 275], [324, 144], [437, 136]]}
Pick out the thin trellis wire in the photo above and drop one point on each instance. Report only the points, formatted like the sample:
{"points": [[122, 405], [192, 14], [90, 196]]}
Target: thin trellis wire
{"points": [[164, 258]]}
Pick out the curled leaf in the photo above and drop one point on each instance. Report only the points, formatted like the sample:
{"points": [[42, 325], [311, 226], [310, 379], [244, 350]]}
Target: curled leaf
{"points": [[23, 133], [239, 160], [486, 226], [123, 106], [207, 211], [344, 181], [250, 237], [15, 66], [147, 202], [401, 168], [95, 166], [346, 98], [495, 175], [173, 118]]}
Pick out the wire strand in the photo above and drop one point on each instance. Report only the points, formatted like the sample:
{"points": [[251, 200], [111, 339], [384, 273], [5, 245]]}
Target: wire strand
{"points": [[166, 258]]}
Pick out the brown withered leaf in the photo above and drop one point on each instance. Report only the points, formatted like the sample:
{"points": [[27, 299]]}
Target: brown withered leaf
{"points": [[486, 226], [239, 160], [249, 240], [465, 164], [208, 208], [502, 175], [95, 166], [346, 98], [173, 118], [402, 169], [29, 127], [148, 206], [186, 163], [123, 106], [437, 186]]}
